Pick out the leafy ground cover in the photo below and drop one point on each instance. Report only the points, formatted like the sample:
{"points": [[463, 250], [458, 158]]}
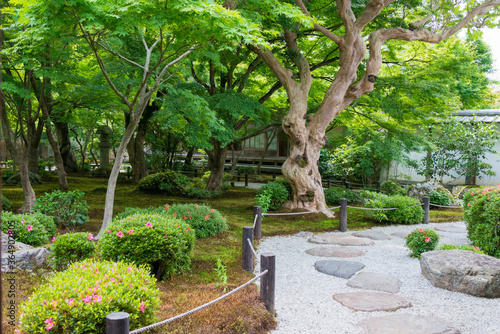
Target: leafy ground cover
{"points": [[242, 312]]}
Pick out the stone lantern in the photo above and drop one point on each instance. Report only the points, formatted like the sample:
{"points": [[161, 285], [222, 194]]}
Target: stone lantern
{"points": [[104, 133]]}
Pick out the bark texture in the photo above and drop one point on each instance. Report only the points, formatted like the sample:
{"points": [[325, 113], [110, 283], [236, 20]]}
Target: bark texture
{"points": [[216, 161], [67, 154]]}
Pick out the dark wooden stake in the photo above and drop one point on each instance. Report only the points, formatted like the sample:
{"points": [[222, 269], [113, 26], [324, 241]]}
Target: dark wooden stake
{"points": [[196, 172], [329, 183], [427, 202], [274, 176], [246, 251], [268, 281], [239, 175], [343, 215], [246, 179], [378, 186], [257, 212], [117, 323], [347, 185]]}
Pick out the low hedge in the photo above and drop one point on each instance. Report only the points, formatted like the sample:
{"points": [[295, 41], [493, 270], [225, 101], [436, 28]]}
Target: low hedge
{"points": [[409, 209]]}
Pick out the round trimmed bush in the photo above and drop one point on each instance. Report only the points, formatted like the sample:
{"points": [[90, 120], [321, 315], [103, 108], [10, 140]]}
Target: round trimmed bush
{"points": [[420, 241], [32, 229], [205, 220], [274, 193], [6, 203], [79, 299], [169, 182], [409, 209], [7, 173], [390, 187], [16, 179], [72, 247], [163, 243], [68, 208], [440, 198], [333, 195]]}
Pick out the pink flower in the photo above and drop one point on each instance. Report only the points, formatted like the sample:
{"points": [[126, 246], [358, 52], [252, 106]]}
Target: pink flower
{"points": [[197, 204], [420, 230], [96, 271], [212, 211], [70, 301], [49, 323], [427, 239], [142, 307], [129, 269], [167, 207], [44, 302], [476, 248], [478, 191], [189, 228], [97, 299], [29, 229], [130, 231], [207, 217], [190, 217], [472, 193], [468, 204], [54, 239], [120, 234], [148, 224], [109, 231], [175, 214], [87, 299], [91, 237], [184, 217]]}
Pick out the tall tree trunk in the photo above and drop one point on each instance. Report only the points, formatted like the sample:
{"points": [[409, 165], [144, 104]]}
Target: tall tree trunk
{"points": [[189, 156], [64, 143], [61, 173], [33, 159], [216, 162]]}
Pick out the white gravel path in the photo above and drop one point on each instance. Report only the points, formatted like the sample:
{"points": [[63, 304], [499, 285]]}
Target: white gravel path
{"points": [[304, 302]]}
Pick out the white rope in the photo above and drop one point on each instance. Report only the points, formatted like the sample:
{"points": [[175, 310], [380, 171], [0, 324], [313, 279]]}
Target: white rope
{"points": [[444, 206], [251, 247], [298, 213]]}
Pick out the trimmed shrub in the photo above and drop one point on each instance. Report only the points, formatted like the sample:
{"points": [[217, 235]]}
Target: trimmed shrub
{"points": [[205, 220], [287, 186], [420, 241], [390, 187], [193, 192], [409, 209], [15, 179], [6, 203], [461, 247], [132, 211], [163, 243], [333, 195], [67, 208], [32, 229], [274, 193], [440, 198], [79, 299], [169, 183], [482, 214], [250, 170], [72, 247], [225, 178], [7, 173], [367, 195]]}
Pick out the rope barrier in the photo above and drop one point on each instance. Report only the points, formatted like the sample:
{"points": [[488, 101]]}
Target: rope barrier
{"points": [[299, 213], [251, 248], [199, 308], [255, 221], [444, 206], [381, 209]]}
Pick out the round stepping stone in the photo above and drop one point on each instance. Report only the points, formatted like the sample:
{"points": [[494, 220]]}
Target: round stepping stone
{"points": [[372, 301], [334, 251], [406, 323], [341, 239], [304, 234], [401, 235], [338, 268], [458, 228], [375, 281], [372, 234]]}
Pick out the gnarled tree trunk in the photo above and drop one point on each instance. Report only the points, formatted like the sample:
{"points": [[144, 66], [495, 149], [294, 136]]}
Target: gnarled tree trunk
{"points": [[216, 162], [67, 153]]}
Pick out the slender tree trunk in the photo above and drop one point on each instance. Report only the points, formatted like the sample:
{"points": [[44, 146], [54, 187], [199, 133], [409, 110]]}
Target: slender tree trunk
{"points": [[33, 159], [61, 173], [216, 162], [268, 144], [189, 156], [64, 143]]}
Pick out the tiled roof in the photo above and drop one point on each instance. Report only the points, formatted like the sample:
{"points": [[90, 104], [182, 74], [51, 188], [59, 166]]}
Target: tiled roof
{"points": [[481, 115]]}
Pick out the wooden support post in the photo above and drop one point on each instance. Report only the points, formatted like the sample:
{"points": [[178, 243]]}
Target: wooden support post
{"points": [[343, 215], [378, 186], [329, 183], [257, 230], [274, 176], [196, 172], [347, 185], [246, 251], [427, 202], [343, 181], [268, 281], [246, 179], [117, 323], [239, 175]]}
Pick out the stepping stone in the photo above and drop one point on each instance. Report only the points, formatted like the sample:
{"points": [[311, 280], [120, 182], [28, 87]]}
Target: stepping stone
{"points": [[304, 234], [458, 228], [372, 234], [374, 281], [334, 251], [341, 239], [372, 301], [406, 323], [338, 268], [401, 235]]}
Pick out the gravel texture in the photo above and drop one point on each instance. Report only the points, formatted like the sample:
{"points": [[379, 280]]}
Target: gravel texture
{"points": [[304, 302]]}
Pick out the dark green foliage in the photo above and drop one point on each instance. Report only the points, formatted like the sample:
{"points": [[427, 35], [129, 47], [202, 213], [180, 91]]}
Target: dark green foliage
{"points": [[390, 187], [409, 209], [440, 198], [420, 241], [68, 208], [205, 220], [6, 203], [72, 247], [132, 211], [168, 183], [334, 194], [287, 186], [100, 189], [326, 164], [250, 170], [163, 243], [16, 179], [7, 173], [200, 193], [461, 247], [275, 193], [102, 172], [32, 229]]}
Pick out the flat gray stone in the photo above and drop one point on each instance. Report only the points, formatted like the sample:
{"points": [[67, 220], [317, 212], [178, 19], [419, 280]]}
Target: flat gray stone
{"points": [[401, 235], [407, 324], [372, 234], [338, 268], [375, 281], [368, 301], [462, 271], [455, 228], [341, 239], [15, 245], [304, 234], [26, 259], [334, 251]]}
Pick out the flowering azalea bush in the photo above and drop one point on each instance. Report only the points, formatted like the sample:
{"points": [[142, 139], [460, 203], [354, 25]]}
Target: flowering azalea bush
{"points": [[482, 215], [72, 247], [79, 299], [420, 241], [32, 229], [68, 209], [163, 243], [203, 219], [409, 209]]}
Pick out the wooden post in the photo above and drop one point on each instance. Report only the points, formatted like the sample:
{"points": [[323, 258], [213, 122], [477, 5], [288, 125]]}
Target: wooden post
{"points": [[246, 179], [238, 175], [343, 215], [329, 183], [378, 186], [347, 185], [274, 176], [117, 323], [427, 202], [257, 212], [196, 172], [268, 281], [246, 251], [343, 181]]}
